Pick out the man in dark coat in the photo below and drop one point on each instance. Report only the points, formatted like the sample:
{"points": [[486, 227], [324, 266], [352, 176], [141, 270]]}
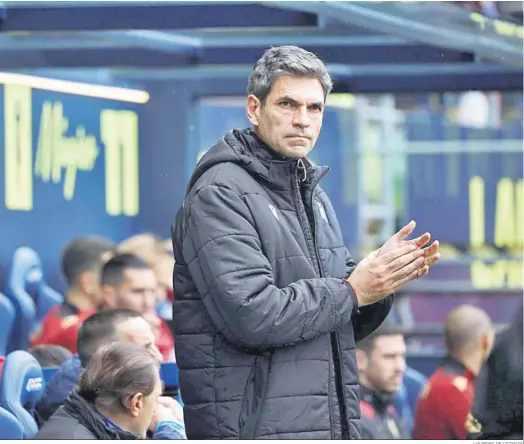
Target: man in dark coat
{"points": [[497, 410], [269, 301]]}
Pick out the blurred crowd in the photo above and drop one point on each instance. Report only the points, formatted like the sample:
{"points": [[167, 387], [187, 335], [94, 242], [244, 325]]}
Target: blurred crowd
{"points": [[114, 295]]}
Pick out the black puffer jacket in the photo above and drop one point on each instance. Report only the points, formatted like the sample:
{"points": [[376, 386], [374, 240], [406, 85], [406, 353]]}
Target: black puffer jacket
{"points": [[79, 419], [265, 326]]}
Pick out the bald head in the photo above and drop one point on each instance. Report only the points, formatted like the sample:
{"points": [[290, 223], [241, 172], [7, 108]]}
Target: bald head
{"points": [[465, 327]]}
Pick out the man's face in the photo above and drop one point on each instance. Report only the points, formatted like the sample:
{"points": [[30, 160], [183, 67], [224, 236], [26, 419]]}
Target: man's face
{"points": [[290, 119], [383, 368], [138, 331], [138, 291]]}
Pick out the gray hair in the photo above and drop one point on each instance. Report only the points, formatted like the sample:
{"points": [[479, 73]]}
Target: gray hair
{"points": [[286, 60]]}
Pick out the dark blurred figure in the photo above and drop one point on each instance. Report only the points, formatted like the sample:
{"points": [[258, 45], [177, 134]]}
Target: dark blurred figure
{"points": [[82, 261], [50, 355], [443, 406], [381, 364], [497, 410]]}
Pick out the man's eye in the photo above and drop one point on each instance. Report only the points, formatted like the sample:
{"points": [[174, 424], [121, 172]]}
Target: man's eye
{"points": [[285, 103]]}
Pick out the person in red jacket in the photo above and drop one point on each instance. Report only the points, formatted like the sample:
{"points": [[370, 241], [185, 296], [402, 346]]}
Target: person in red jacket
{"points": [[443, 409], [82, 261], [127, 281]]}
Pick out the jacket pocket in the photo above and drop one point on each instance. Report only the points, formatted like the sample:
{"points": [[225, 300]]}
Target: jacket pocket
{"points": [[254, 394]]}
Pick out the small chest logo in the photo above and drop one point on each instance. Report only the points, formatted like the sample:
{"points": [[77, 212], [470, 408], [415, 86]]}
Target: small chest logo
{"points": [[274, 211], [322, 210]]}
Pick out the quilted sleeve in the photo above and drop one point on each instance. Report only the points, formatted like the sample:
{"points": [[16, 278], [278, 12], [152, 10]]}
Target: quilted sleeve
{"points": [[367, 319], [225, 259]]}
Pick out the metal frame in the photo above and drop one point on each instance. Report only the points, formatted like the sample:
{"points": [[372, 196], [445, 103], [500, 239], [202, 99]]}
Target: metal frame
{"points": [[380, 46]]}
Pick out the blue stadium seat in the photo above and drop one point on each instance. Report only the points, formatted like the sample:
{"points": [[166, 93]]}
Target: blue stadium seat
{"points": [[21, 388], [7, 319], [10, 428], [26, 274]]}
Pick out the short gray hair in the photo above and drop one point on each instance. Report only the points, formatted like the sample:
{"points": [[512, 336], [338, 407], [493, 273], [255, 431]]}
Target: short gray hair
{"points": [[286, 60]]}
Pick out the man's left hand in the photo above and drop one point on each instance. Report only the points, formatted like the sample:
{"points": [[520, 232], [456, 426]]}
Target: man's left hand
{"points": [[431, 252]]}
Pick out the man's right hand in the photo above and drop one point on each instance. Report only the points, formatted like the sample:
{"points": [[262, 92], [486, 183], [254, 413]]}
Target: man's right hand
{"points": [[378, 275]]}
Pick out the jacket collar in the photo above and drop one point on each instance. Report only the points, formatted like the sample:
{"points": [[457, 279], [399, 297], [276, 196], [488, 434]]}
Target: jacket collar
{"points": [[86, 414], [275, 168], [379, 401]]}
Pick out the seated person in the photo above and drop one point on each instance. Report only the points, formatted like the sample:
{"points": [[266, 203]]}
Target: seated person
{"points": [[158, 254], [117, 398], [381, 361], [129, 282], [443, 406], [49, 356], [103, 327], [82, 261]]}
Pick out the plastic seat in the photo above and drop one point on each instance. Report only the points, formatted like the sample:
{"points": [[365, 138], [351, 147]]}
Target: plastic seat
{"points": [[7, 319], [26, 274], [10, 428], [21, 388]]}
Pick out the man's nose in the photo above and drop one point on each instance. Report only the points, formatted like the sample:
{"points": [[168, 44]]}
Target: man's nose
{"points": [[401, 365], [301, 117]]}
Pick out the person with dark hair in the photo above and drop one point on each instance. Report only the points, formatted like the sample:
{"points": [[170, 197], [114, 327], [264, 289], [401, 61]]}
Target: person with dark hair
{"points": [[116, 398], [497, 408], [381, 361], [265, 288], [103, 327], [443, 406], [82, 261], [50, 355], [127, 281]]}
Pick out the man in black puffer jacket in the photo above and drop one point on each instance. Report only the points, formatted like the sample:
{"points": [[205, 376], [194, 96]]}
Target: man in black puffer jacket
{"points": [[269, 302]]}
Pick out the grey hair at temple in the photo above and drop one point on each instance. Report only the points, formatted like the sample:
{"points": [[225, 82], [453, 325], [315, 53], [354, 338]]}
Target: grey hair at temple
{"points": [[286, 60]]}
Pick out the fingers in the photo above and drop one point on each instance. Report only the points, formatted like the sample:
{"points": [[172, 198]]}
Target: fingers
{"points": [[432, 254], [422, 240], [405, 260], [405, 231], [399, 251], [432, 249], [410, 277], [422, 272], [406, 265], [430, 261]]}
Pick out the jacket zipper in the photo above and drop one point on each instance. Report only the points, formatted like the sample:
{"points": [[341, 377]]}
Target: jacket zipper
{"points": [[335, 344]]}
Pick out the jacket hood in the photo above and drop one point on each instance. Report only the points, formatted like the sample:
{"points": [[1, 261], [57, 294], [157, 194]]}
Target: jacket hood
{"points": [[246, 149], [59, 387]]}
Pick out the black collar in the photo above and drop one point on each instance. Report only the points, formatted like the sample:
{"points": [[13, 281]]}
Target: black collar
{"points": [[379, 401]]}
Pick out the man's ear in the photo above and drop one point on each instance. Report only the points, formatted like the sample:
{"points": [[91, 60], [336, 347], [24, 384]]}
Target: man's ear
{"points": [[362, 360], [253, 107], [486, 344], [135, 404], [108, 293], [88, 282]]}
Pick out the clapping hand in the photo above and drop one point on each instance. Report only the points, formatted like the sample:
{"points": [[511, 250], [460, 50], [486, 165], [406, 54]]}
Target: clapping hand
{"points": [[397, 262]]}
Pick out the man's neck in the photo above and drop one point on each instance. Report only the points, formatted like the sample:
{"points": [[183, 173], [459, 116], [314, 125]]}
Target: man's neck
{"points": [[79, 299], [471, 361]]}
